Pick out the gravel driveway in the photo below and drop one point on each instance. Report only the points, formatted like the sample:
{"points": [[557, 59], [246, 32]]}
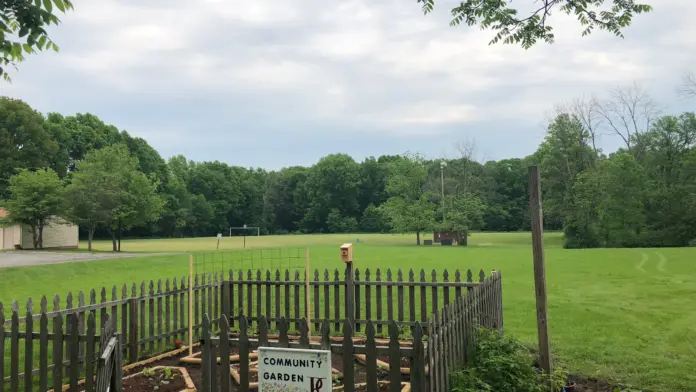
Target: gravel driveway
{"points": [[31, 258]]}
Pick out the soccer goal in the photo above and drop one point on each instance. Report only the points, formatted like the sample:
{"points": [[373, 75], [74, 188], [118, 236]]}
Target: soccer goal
{"points": [[245, 230]]}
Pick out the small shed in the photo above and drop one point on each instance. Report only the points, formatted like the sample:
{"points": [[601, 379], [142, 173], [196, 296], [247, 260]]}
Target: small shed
{"points": [[58, 234], [452, 237]]}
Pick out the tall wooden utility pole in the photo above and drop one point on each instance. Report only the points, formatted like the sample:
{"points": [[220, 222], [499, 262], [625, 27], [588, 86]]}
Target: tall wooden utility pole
{"points": [[539, 268]]}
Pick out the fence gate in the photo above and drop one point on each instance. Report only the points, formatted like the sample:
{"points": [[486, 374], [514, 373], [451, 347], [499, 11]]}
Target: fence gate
{"points": [[109, 374]]}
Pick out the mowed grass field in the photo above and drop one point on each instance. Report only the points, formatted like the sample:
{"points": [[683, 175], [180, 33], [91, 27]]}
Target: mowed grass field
{"points": [[626, 315]]}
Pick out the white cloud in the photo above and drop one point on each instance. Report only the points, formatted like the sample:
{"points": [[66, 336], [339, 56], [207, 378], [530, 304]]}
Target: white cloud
{"points": [[434, 113], [380, 67]]}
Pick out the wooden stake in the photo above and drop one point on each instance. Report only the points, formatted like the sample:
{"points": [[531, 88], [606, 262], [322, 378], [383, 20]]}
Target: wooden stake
{"points": [[308, 302], [539, 267], [190, 305]]}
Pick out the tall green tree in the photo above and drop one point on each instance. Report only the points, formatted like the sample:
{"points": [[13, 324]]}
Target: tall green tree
{"points": [[177, 214], [668, 161], [510, 26], [373, 181], [563, 155], [139, 202], [23, 29], [35, 198], [149, 160], [410, 215], [337, 223], [24, 143], [506, 195], [463, 212], [608, 204], [333, 183], [374, 220], [108, 190], [79, 134], [409, 207], [221, 185], [202, 217]]}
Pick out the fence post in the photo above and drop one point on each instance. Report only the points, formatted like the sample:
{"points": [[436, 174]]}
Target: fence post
{"points": [[539, 267], [347, 257], [226, 298], [117, 373], [497, 308], [206, 360], [133, 330], [418, 361], [499, 288]]}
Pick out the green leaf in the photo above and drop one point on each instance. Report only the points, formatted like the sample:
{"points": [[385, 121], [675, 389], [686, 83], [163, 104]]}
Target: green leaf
{"points": [[46, 16], [60, 5], [42, 42], [16, 49], [23, 31], [48, 5], [28, 48]]}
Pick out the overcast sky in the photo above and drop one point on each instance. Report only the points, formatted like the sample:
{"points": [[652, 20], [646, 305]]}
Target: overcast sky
{"points": [[274, 83]]}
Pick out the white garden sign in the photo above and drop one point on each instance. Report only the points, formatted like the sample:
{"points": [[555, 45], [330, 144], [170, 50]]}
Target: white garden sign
{"points": [[294, 370]]}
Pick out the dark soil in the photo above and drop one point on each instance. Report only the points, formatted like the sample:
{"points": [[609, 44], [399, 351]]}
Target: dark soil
{"points": [[143, 383], [381, 387], [590, 384], [359, 371]]}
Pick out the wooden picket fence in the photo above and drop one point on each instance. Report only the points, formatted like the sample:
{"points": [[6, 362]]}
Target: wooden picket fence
{"points": [[147, 323], [452, 330], [435, 348], [149, 317], [61, 337], [216, 377], [379, 297]]}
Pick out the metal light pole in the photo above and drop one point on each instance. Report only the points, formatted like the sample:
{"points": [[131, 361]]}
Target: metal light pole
{"points": [[443, 164]]}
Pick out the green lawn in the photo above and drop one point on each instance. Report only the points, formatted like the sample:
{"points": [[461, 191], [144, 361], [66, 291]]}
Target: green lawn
{"points": [[622, 314]]}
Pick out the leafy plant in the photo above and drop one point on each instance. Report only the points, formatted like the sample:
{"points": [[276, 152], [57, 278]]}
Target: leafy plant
{"points": [[149, 372], [405, 331], [167, 373], [500, 363]]}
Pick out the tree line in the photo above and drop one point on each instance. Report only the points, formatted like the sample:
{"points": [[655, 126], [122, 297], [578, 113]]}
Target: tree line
{"points": [[643, 194], [115, 185]]}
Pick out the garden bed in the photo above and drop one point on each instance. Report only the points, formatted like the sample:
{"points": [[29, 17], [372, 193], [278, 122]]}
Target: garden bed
{"points": [[160, 379], [194, 371]]}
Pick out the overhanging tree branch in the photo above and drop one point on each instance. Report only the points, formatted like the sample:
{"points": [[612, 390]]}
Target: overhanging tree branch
{"points": [[526, 31]]}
